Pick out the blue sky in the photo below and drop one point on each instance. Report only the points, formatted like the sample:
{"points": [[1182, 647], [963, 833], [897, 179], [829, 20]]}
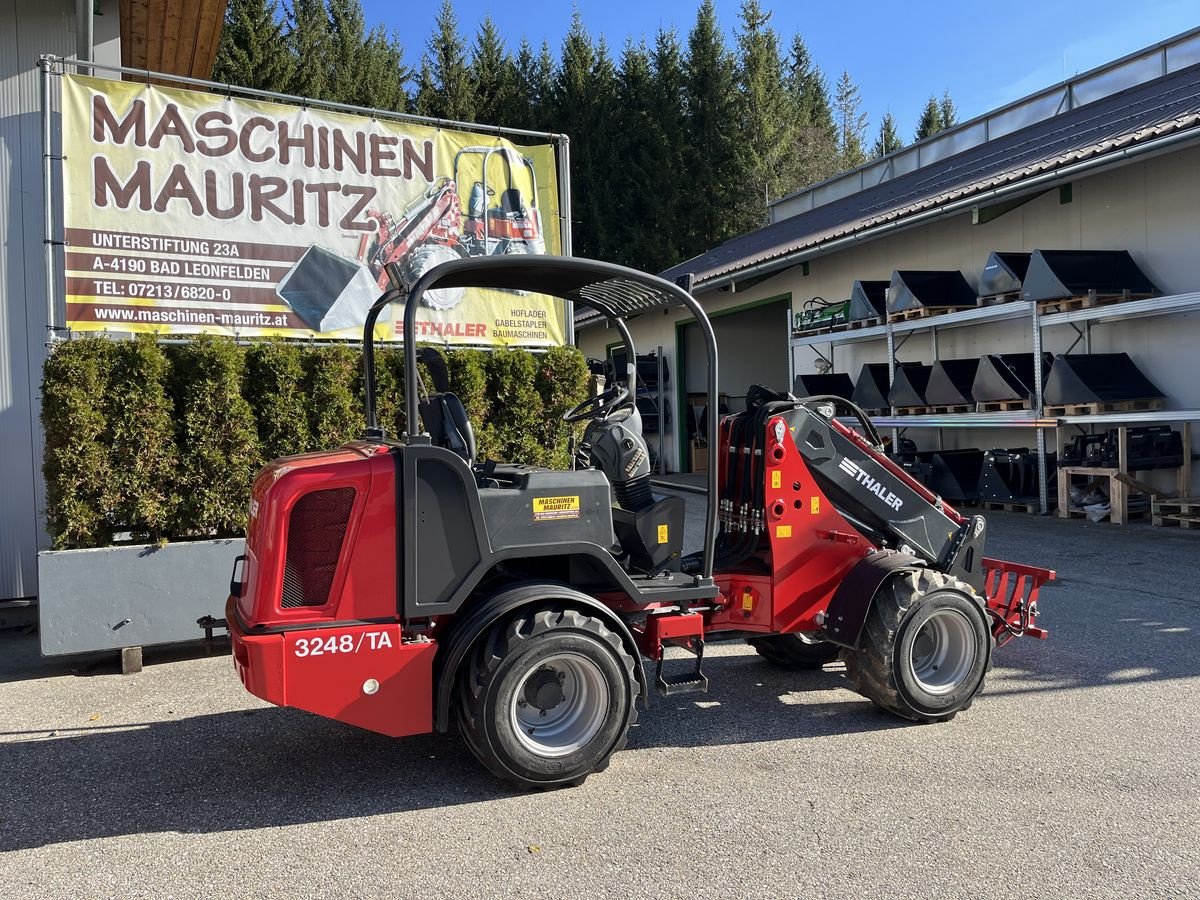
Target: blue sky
{"points": [[986, 54]]}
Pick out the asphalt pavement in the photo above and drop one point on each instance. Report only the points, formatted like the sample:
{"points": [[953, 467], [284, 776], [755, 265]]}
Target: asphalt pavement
{"points": [[1076, 774]]}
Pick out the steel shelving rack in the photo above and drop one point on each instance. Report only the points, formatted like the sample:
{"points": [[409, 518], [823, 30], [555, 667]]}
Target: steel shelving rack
{"points": [[896, 334]]}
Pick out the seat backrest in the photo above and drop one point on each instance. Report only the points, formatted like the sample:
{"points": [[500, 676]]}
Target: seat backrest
{"points": [[446, 420]]}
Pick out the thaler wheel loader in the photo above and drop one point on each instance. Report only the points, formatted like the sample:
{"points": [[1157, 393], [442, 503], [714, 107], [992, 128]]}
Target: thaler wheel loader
{"points": [[404, 586]]}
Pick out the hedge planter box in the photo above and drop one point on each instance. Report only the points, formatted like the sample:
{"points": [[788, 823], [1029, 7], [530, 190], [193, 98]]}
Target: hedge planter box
{"points": [[131, 596]]}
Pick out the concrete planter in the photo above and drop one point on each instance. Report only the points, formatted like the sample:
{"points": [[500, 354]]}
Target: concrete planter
{"points": [[132, 596]]}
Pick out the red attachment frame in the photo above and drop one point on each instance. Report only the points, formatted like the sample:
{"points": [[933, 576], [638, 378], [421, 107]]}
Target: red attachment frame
{"points": [[1011, 590]]}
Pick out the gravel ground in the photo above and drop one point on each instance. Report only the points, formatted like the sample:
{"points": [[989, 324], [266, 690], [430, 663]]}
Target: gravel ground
{"points": [[1075, 775]]}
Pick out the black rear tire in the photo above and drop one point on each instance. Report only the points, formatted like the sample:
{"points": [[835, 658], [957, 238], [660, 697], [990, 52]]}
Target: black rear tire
{"points": [[790, 651], [498, 693], [925, 648]]}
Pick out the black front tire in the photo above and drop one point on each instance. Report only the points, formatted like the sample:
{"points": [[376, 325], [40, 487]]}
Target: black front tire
{"points": [[498, 678], [925, 648], [790, 651]]}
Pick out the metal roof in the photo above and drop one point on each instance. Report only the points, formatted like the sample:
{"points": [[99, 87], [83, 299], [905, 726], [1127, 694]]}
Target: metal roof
{"points": [[1105, 127]]}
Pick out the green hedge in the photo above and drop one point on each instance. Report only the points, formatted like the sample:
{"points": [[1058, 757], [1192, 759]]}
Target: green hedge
{"points": [[163, 442]]}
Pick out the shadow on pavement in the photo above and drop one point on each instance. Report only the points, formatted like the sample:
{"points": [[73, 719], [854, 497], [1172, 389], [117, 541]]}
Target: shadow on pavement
{"points": [[270, 767]]}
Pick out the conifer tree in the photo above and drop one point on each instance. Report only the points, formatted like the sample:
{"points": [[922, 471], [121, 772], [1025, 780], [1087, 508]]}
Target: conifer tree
{"points": [[815, 154], [673, 179], [948, 110], [640, 147], [576, 101], [930, 122], [493, 76], [852, 124], [445, 90], [713, 159], [308, 41], [347, 60], [889, 137], [767, 117], [251, 52]]}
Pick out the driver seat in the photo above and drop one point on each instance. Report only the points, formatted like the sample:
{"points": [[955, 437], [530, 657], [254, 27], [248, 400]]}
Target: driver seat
{"points": [[443, 413]]}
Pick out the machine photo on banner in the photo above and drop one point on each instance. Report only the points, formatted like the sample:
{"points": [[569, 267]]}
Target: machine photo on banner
{"points": [[188, 212]]}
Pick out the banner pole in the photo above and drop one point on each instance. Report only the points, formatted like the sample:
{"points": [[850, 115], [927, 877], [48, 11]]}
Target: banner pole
{"points": [[45, 64], [564, 213]]}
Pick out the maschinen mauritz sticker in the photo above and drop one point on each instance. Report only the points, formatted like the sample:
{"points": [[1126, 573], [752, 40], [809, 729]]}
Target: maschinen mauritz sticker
{"points": [[545, 508]]}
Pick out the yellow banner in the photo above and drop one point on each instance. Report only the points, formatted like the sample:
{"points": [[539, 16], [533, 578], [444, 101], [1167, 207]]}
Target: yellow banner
{"points": [[189, 212]]}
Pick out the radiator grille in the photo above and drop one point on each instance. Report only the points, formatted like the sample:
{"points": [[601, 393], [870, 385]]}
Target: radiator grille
{"points": [[316, 529]]}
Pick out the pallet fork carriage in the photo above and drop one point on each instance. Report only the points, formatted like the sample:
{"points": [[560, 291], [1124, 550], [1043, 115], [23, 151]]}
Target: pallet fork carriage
{"points": [[404, 586]]}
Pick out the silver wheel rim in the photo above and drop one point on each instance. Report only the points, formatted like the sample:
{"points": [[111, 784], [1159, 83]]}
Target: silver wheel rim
{"points": [[943, 652], [558, 721]]}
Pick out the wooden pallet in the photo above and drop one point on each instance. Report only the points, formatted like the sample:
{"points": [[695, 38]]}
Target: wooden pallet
{"points": [[1186, 506], [1088, 301], [1004, 406], [925, 312], [946, 410], [1186, 522], [1092, 409], [852, 325], [1074, 513], [1032, 506], [912, 410]]}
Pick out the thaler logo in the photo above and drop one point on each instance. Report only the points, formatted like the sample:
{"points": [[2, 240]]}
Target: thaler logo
{"points": [[875, 487]]}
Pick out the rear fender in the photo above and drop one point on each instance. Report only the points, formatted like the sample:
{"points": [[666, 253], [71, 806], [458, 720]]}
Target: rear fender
{"points": [[851, 602], [470, 625]]}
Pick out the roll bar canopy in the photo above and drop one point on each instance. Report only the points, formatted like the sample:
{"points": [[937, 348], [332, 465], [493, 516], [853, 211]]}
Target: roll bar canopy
{"points": [[614, 291]]}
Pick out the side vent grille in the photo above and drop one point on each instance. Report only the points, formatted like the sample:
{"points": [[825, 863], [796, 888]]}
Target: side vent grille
{"points": [[316, 529]]}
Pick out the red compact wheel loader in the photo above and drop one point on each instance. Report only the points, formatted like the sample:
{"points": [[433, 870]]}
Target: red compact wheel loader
{"points": [[403, 586]]}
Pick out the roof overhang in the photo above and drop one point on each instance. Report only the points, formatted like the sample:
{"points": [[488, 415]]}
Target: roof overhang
{"points": [[172, 36]]}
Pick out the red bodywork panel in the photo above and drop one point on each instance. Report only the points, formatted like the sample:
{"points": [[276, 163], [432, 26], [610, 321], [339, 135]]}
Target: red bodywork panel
{"points": [[346, 658], [365, 577], [808, 548]]}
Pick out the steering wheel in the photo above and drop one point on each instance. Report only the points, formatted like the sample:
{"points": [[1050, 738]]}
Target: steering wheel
{"points": [[599, 407]]}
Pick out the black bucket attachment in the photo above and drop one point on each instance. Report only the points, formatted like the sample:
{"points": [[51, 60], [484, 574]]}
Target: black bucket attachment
{"points": [[1010, 476], [909, 387], [913, 289], [871, 389], [1003, 274], [837, 384], [1060, 274], [951, 381], [868, 300], [1097, 378], [955, 474], [1006, 377]]}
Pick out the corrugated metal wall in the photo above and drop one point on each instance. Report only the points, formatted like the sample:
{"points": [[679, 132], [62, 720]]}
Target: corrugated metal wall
{"points": [[28, 28]]}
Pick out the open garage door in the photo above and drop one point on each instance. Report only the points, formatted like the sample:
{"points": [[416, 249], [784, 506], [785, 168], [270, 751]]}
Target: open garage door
{"points": [[752, 342]]}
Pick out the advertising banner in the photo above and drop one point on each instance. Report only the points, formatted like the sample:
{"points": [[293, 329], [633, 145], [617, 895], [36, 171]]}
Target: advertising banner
{"points": [[189, 212]]}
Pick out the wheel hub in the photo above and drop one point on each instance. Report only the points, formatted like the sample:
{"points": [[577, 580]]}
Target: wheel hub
{"points": [[943, 652], [544, 689], [560, 705]]}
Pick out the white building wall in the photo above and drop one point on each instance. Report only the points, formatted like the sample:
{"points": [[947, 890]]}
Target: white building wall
{"points": [[28, 29], [1151, 208]]}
